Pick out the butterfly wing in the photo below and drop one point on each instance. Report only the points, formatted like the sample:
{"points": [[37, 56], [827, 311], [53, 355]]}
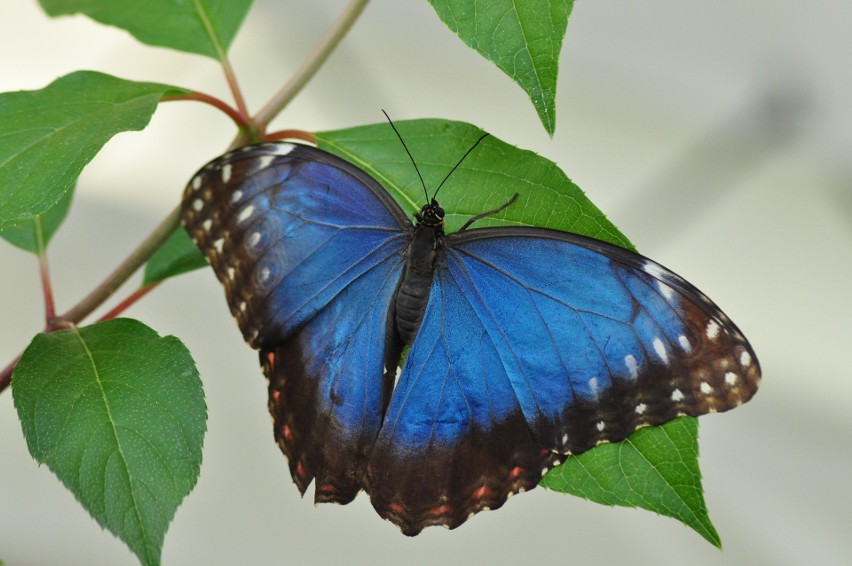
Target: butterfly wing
{"points": [[537, 343], [309, 250]]}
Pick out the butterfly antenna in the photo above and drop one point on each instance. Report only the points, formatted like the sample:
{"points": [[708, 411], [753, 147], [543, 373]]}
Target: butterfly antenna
{"points": [[402, 141], [482, 137]]}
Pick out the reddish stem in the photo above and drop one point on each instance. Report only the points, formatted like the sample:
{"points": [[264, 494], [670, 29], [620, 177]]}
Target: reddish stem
{"points": [[231, 77], [129, 301], [44, 271], [242, 120], [52, 324], [6, 374], [291, 134]]}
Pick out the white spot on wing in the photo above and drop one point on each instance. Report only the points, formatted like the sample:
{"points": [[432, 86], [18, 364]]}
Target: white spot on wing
{"points": [[600, 426], [196, 182], [667, 291], [640, 408], [712, 329], [677, 395], [231, 272], [226, 172], [197, 204], [264, 161], [731, 378], [264, 274], [236, 196], [281, 148], [684, 343], [705, 388], [745, 358], [207, 224], [254, 238], [219, 244], [660, 348], [632, 366], [593, 385], [245, 214], [653, 269]]}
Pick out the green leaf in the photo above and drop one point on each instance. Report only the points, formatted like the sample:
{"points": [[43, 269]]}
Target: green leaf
{"points": [[522, 38], [118, 414], [178, 255], [655, 468], [47, 136], [486, 179], [204, 27], [25, 235]]}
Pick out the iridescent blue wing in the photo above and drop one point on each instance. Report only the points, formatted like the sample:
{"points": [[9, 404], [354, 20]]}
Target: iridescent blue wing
{"points": [[310, 250], [536, 344]]}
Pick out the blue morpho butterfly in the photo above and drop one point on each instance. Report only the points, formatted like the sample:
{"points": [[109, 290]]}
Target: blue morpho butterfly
{"points": [[527, 344]]}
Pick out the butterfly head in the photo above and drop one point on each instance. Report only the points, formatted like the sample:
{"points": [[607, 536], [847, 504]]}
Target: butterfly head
{"points": [[431, 215]]}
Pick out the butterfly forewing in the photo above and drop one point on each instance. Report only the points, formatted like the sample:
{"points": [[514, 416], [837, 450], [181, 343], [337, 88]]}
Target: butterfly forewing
{"points": [[597, 340], [310, 256]]}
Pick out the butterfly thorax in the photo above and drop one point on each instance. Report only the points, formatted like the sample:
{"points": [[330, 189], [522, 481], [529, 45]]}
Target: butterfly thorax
{"points": [[416, 282]]}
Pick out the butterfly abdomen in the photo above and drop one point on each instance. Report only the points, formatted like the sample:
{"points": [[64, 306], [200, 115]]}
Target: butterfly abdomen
{"points": [[416, 283]]}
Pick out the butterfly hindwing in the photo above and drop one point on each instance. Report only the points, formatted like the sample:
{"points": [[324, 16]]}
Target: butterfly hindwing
{"points": [[309, 249], [455, 440], [538, 343]]}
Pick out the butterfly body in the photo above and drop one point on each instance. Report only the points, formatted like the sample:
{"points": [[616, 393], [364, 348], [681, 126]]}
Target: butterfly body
{"points": [[527, 344], [416, 282]]}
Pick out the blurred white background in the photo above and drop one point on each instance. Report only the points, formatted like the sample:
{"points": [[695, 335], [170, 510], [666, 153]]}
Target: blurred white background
{"points": [[717, 135]]}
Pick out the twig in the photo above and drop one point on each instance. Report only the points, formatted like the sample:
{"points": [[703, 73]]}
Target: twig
{"points": [[123, 272], [311, 65]]}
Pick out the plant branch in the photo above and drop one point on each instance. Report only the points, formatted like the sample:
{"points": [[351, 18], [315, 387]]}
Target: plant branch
{"points": [[123, 272], [311, 65]]}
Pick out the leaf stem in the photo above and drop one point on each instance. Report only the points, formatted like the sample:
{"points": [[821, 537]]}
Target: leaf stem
{"points": [[6, 374], [44, 271], [289, 135], [129, 301], [222, 56], [311, 65], [241, 120], [123, 272], [237, 93]]}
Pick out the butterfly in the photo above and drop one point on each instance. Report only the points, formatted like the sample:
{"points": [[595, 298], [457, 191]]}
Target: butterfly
{"points": [[526, 344]]}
